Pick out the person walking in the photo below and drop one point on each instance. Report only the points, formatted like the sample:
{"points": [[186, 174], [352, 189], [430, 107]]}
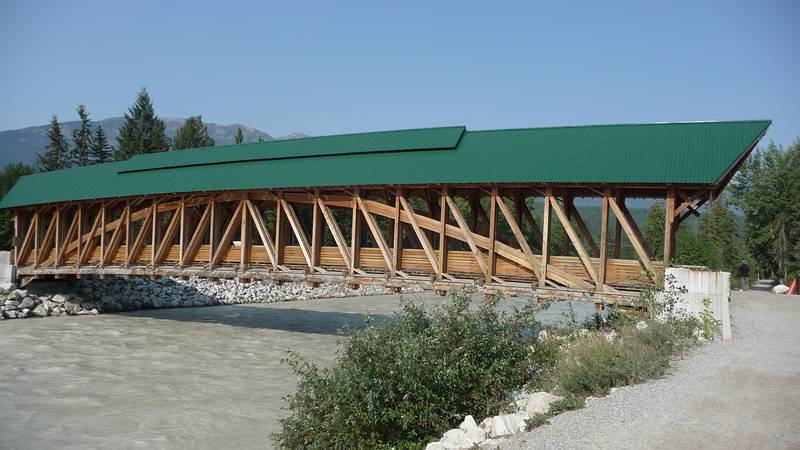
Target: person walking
{"points": [[744, 274]]}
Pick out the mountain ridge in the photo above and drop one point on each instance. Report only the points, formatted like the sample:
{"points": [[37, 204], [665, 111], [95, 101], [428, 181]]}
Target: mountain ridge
{"points": [[23, 144]]}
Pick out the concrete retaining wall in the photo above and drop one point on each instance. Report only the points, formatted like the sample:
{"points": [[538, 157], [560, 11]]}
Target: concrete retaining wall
{"points": [[702, 283]]}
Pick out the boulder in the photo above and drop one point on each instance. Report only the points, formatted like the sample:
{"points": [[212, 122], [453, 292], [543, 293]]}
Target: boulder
{"points": [[20, 293], [780, 289], [506, 425], [26, 302], [539, 403], [434, 446], [59, 298], [11, 304], [475, 434], [456, 439], [40, 310]]}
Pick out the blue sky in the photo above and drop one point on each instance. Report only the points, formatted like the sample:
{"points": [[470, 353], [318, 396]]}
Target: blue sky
{"points": [[336, 67]]}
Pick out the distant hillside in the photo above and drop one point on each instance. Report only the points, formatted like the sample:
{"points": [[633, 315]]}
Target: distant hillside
{"points": [[22, 145]]}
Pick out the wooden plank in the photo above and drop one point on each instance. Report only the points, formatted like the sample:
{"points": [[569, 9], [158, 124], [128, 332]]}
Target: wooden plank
{"points": [[244, 238], [423, 239], [182, 231], [103, 210], [227, 236], [338, 237], [280, 231], [669, 227], [568, 206], [622, 218], [297, 228], [603, 269], [27, 243], [197, 237], [479, 258], [376, 234], [442, 235], [72, 231], [316, 231], [618, 232], [492, 234], [397, 235], [47, 242], [263, 233], [90, 243], [545, 238], [355, 236]]}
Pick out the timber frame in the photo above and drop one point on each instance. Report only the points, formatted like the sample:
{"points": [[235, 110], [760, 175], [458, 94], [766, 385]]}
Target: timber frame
{"points": [[438, 237]]}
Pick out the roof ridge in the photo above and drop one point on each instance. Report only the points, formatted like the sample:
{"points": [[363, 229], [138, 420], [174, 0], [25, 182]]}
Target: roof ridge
{"points": [[683, 122]]}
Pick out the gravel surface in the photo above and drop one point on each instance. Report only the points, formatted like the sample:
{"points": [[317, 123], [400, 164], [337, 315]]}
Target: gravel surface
{"points": [[742, 393]]}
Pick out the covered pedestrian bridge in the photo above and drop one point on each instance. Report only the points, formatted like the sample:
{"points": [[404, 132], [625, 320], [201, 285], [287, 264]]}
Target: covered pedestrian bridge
{"points": [[438, 207]]}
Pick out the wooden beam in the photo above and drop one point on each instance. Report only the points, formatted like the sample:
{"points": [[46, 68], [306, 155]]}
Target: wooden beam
{"points": [[167, 238], [576, 241], [603, 269], [90, 243], [197, 237], [397, 235], [280, 231], [103, 210], [355, 236], [115, 241], [519, 235], [72, 231], [492, 233], [227, 235], [622, 218], [128, 234], [138, 243], [376, 234], [297, 228], [442, 235], [263, 233], [182, 232], [27, 243], [338, 237], [618, 232], [47, 242], [585, 231], [568, 211], [526, 214], [244, 237], [479, 258], [423, 239], [669, 227], [545, 238], [154, 226], [316, 231]]}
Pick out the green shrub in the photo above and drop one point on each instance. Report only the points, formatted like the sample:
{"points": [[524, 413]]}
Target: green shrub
{"points": [[568, 403], [534, 422], [593, 365], [403, 382]]}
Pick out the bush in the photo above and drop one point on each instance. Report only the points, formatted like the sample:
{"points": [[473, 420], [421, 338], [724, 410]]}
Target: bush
{"points": [[402, 382], [593, 365]]}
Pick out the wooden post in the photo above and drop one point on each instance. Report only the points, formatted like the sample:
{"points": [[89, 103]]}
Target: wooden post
{"points": [[618, 231], [355, 236], [102, 234], [493, 233], [181, 243], [316, 232], [244, 238], [442, 234], [16, 237], [212, 233], [80, 236], [397, 244], [280, 230], [545, 237], [57, 218], [154, 237], [669, 227], [602, 272], [127, 232], [568, 205]]}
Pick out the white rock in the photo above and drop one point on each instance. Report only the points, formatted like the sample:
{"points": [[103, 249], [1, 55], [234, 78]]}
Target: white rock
{"points": [[539, 403], [475, 434], [435, 446], [780, 289], [40, 310], [506, 425], [611, 335], [543, 335], [456, 439], [641, 325]]}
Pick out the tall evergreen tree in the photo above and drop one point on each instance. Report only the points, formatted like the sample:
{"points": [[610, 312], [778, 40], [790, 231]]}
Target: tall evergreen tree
{"points": [[193, 134], [142, 131], [654, 230], [57, 155], [239, 136], [718, 230], [8, 177], [260, 138], [82, 139], [100, 151]]}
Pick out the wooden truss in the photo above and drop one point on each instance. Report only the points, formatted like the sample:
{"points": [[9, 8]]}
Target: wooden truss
{"points": [[438, 237]]}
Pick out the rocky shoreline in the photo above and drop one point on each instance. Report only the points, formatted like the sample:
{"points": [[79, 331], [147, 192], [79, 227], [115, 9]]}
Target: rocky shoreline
{"points": [[93, 295]]}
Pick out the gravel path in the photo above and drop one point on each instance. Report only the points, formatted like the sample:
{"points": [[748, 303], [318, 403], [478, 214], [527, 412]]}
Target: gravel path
{"points": [[743, 393]]}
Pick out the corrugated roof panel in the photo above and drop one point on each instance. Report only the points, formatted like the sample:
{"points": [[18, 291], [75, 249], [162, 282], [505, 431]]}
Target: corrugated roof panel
{"points": [[375, 142], [675, 153]]}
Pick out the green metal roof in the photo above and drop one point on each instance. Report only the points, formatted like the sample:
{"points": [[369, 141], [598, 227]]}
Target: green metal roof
{"points": [[668, 153]]}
